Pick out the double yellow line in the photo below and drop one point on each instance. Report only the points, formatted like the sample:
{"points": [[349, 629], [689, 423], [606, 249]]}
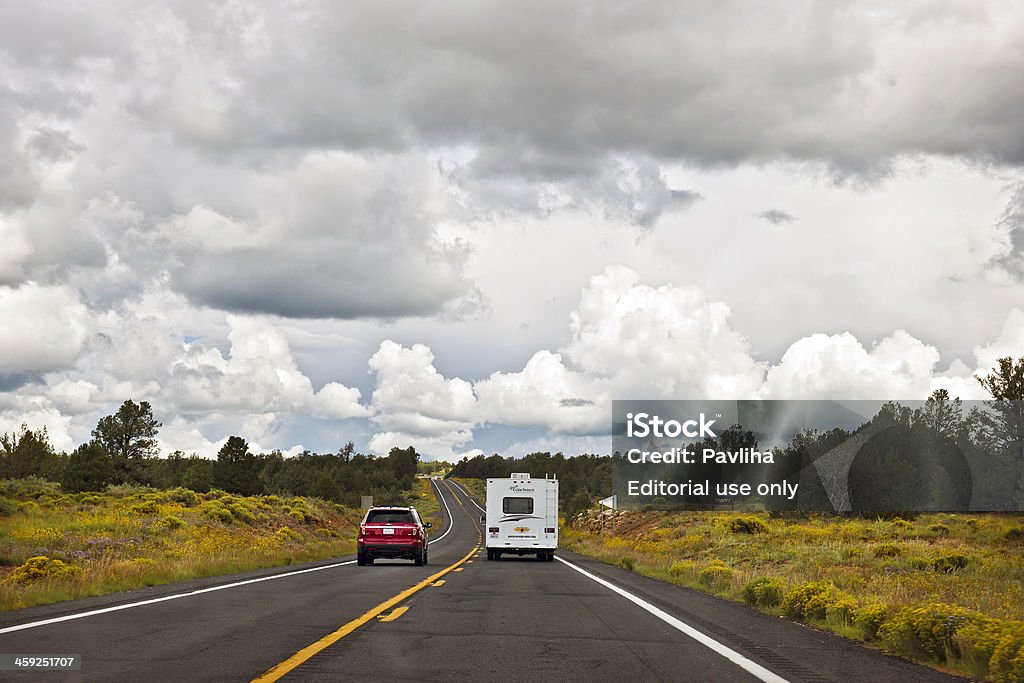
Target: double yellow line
{"points": [[278, 670]]}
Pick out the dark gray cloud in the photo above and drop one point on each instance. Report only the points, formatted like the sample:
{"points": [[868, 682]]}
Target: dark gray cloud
{"points": [[775, 216], [711, 84], [1013, 222]]}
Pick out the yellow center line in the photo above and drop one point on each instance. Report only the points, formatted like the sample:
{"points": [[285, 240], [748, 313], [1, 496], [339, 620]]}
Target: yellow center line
{"points": [[275, 672]]}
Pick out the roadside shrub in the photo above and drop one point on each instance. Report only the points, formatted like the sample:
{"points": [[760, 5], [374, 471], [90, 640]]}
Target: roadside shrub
{"points": [[927, 631], [242, 512], [171, 522], [28, 507], [1015, 535], [288, 535], [717, 576], [919, 563], [939, 528], [869, 619], [682, 567], [1007, 662], [7, 506], [972, 524], [147, 507], [901, 523], [186, 497], [840, 609], [764, 592], [626, 563], [90, 500], [38, 568], [888, 550], [977, 640], [810, 600], [748, 525], [949, 563], [216, 511]]}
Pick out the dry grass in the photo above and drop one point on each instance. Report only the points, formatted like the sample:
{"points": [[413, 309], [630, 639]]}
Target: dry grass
{"points": [[130, 537]]}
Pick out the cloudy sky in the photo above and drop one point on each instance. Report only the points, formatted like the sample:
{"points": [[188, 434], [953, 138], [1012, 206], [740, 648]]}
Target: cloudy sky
{"points": [[468, 226]]}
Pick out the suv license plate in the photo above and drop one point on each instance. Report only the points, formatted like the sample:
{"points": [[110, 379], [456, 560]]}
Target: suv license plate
{"points": [[388, 531]]}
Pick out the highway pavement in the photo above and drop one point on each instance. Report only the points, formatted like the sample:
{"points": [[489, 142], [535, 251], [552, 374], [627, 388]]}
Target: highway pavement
{"points": [[459, 618]]}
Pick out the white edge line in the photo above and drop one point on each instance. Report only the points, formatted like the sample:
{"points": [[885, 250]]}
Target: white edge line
{"points": [[451, 520], [733, 656], [470, 497], [117, 608]]}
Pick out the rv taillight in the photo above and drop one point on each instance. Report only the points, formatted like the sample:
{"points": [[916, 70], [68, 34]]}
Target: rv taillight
{"points": [[492, 529], [549, 530]]}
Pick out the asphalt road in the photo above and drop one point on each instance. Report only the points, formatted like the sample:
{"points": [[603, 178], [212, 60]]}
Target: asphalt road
{"points": [[516, 619]]}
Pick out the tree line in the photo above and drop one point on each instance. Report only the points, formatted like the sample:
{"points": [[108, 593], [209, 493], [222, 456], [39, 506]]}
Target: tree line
{"points": [[924, 458], [123, 450]]}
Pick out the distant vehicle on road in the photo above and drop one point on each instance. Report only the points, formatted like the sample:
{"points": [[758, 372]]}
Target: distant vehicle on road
{"points": [[522, 517], [392, 532]]}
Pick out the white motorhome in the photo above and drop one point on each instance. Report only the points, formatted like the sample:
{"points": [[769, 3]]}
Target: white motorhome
{"points": [[522, 517]]}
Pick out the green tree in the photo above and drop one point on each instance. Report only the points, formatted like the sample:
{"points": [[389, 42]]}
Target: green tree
{"points": [[89, 468], [129, 436], [1001, 426], [28, 453], [236, 469], [942, 415]]}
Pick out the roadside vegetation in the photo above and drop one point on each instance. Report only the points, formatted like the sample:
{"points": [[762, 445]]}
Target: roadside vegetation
{"points": [[58, 546], [940, 588]]}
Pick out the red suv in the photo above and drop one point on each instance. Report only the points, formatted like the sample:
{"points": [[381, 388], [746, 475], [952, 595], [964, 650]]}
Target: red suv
{"points": [[392, 532]]}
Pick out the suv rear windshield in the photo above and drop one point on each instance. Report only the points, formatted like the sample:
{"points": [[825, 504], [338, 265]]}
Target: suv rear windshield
{"points": [[387, 516]]}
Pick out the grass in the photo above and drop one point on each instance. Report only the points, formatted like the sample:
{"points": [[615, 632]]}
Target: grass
{"points": [[428, 505], [129, 537], [944, 589]]}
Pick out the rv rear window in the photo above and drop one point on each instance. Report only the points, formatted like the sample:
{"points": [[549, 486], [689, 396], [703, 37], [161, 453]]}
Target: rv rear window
{"points": [[517, 506]]}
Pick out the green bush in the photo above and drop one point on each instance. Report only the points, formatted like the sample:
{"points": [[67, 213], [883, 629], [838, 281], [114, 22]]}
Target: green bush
{"points": [[1015, 535], [811, 600], [902, 524], [288, 535], [888, 550], [717, 576], [748, 525], [869, 619], [7, 506], [949, 563], [1007, 662], [939, 528], [147, 507], [977, 640], [764, 592], [186, 497], [38, 568], [216, 511], [927, 631], [626, 563], [171, 522], [682, 567]]}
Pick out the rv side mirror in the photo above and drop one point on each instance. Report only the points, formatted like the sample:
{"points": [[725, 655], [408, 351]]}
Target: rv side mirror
{"points": [[483, 519]]}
